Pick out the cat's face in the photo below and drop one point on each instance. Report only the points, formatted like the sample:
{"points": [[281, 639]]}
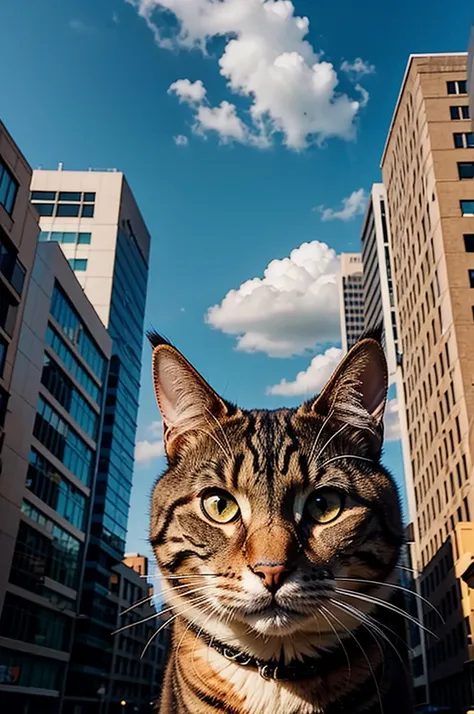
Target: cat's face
{"points": [[262, 516]]}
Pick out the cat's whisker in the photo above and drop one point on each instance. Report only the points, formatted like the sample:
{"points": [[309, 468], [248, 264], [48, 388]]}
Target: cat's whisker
{"points": [[389, 606], [345, 456], [368, 620], [214, 439], [336, 433], [161, 612], [231, 453], [180, 577], [323, 610], [408, 570], [365, 657], [315, 442], [156, 595], [170, 620], [395, 587], [193, 651]]}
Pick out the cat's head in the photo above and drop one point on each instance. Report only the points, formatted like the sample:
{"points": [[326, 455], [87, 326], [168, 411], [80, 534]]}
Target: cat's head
{"points": [[263, 516]]}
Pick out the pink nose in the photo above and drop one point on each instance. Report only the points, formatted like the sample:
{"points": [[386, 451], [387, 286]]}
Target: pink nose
{"points": [[272, 575]]}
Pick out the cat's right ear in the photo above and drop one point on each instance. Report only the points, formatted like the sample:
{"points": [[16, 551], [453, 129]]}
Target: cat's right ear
{"points": [[187, 403]]}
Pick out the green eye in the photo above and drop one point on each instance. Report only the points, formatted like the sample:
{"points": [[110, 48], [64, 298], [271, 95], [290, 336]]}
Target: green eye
{"points": [[324, 505], [219, 506]]}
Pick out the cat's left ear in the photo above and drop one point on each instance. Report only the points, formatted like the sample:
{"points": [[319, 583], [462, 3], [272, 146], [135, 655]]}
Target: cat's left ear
{"points": [[356, 394], [188, 405]]}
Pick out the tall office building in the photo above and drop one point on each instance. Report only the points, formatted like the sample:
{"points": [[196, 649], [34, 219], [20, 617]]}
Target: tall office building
{"points": [[50, 454], [351, 299], [95, 219], [428, 171], [18, 237], [470, 74]]}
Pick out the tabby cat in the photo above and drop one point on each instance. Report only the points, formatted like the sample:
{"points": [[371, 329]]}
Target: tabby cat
{"points": [[278, 534]]}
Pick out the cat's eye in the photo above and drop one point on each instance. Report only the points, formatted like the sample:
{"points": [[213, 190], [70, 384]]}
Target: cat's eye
{"points": [[324, 505], [219, 506]]}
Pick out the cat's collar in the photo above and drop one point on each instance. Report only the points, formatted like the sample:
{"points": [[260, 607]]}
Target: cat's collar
{"points": [[269, 669]]}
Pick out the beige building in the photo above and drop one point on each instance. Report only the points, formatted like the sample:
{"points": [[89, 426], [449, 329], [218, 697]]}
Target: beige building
{"points": [[351, 298], [470, 74], [18, 237], [428, 171]]}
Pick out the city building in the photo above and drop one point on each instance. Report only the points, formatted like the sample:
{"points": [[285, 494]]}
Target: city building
{"points": [[351, 299], [50, 456], [470, 74], [380, 308], [95, 219], [133, 679], [428, 172], [18, 238]]}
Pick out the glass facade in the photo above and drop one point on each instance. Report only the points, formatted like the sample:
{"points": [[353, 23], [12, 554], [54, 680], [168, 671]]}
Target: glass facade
{"points": [[73, 365], [73, 329], [26, 621], [64, 204], [127, 311], [65, 237], [25, 670], [10, 266], [63, 442], [8, 188]]}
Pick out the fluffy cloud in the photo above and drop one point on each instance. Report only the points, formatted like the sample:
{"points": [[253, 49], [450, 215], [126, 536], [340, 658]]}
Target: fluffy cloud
{"points": [[357, 69], [265, 59], [186, 91], [181, 140], [152, 448], [312, 380], [352, 206], [288, 311], [392, 421]]}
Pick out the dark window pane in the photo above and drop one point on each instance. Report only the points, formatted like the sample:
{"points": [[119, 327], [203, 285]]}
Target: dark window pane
{"points": [[69, 237], [8, 188], [469, 242], [89, 197], [471, 278], [44, 209], [455, 112], [88, 210], [458, 141], [84, 238], [18, 276], [69, 196], [470, 139], [462, 86], [451, 88], [467, 208], [466, 169], [67, 209], [43, 195], [78, 263], [465, 112], [3, 352]]}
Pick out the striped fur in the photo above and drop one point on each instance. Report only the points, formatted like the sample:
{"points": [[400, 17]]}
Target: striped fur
{"points": [[271, 462]]}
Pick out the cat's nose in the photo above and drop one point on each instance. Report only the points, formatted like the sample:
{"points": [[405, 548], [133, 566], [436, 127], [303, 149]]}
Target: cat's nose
{"points": [[272, 575]]}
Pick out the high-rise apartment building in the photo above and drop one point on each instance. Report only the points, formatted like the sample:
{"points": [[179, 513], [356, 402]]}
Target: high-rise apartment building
{"points": [[50, 455], [18, 238], [428, 171], [95, 219], [351, 299]]}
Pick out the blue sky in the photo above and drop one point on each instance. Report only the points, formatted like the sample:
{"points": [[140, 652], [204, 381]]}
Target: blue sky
{"points": [[86, 83]]}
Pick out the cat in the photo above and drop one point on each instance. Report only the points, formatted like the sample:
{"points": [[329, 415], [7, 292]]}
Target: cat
{"points": [[277, 534]]}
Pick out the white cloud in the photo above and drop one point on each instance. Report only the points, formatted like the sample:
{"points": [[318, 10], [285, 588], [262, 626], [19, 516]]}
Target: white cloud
{"points": [[148, 451], [358, 68], [312, 380], [155, 429], [392, 421], [352, 206], [266, 59], [187, 91], [181, 140], [288, 311]]}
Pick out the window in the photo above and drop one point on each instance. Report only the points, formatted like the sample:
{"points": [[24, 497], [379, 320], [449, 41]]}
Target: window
{"points": [[43, 195], [65, 237], [84, 238], [3, 354], [69, 196], [471, 278], [467, 208], [89, 197], [10, 266], [88, 210], [459, 86], [44, 209], [26, 621], [459, 112], [67, 209], [8, 188], [79, 264], [72, 364], [464, 140], [469, 242], [466, 169]]}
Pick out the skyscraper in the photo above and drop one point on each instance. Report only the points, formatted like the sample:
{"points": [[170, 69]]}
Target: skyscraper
{"points": [[470, 73], [428, 171], [351, 299], [52, 433], [95, 219]]}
